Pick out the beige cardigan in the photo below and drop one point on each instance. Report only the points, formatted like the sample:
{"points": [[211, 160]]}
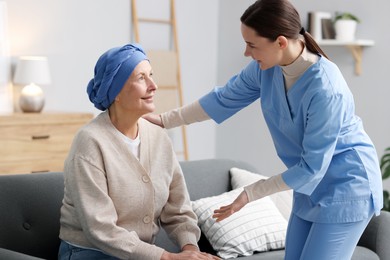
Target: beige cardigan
{"points": [[114, 203]]}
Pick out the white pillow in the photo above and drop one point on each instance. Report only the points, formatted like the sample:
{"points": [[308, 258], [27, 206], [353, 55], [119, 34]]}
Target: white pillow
{"points": [[283, 200], [257, 227]]}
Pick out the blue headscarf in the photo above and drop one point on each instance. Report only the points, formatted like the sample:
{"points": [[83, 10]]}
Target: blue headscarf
{"points": [[112, 70]]}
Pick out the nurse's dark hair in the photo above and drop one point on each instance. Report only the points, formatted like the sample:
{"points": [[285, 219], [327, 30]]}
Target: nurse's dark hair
{"points": [[273, 18]]}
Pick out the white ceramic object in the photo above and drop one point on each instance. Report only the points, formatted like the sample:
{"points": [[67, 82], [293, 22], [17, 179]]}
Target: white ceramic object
{"points": [[31, 99], [345, 30]]}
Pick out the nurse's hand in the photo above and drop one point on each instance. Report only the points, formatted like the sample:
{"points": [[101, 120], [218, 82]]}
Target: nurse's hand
{"points": [[226, 211], [155, 119]]}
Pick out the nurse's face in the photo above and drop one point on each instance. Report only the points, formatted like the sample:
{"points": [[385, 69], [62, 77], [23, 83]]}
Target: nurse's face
{"points": [[266, 52]]}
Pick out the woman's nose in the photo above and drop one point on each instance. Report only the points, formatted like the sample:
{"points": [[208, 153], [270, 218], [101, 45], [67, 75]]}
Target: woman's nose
{"points": [[152, 85], [247, 52]]}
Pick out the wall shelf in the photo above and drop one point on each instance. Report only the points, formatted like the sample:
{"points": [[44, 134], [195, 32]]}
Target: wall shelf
{"points": [[356, 48]]}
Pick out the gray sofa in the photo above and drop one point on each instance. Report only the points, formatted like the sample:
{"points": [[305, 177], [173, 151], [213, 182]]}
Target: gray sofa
{"points": [[30, 203]]}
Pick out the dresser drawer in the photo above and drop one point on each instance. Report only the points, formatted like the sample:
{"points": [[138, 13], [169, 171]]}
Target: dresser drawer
{"points": [[48, 164], [37, 142]]}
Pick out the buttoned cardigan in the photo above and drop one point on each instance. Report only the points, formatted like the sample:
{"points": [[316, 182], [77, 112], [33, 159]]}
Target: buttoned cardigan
{"points": [[114, 202]]}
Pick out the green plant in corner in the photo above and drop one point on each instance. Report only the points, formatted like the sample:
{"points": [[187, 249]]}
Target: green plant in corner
{"points": [[346, 16], [385, 168]]}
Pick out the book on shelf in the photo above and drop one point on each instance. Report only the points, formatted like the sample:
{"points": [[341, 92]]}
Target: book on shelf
{"points": [[315, 23], [328, 31]]}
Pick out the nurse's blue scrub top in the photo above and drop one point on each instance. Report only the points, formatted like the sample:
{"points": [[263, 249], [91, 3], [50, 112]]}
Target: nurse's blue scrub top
{"points": [[332, 164]]}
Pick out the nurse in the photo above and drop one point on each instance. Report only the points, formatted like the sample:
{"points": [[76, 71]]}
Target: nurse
{"points": [[332, 165]]}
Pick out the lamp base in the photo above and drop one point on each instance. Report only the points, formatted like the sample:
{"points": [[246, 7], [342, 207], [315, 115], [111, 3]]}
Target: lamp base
{"points": [[31, 99], [31, 104]]}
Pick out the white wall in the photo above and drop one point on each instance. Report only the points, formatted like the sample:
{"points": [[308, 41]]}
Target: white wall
{"points": [[74, 33], [72, 38]]}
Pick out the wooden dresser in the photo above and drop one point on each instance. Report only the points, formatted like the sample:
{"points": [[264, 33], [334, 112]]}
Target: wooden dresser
{"points": [[37, 142]]}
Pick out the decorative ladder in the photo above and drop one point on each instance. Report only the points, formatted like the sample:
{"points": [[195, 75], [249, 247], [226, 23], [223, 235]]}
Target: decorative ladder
{"points": [[166, 67]]}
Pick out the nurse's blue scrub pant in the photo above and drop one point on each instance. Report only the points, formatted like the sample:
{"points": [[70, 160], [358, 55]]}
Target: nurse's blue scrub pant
{"points": [[322, 241]]}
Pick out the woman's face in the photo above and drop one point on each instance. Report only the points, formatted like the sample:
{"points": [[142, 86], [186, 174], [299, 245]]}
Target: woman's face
{"points": [[266, 52], [137, 94]]}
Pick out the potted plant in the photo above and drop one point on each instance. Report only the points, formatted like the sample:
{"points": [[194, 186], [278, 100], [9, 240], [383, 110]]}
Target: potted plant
{"points": [[345, 26], [385, 168]]}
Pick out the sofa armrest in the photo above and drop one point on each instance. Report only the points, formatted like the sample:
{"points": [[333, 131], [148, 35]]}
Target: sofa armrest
{"points": [[377, 235], [12, 255]]}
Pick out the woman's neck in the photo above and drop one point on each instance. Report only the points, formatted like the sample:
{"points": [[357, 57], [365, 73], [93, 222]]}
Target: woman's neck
{"points": [[293, 51], [126, 124]]}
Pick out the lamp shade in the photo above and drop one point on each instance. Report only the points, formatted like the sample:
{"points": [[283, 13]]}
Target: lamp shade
{"points": [[32, 69]]}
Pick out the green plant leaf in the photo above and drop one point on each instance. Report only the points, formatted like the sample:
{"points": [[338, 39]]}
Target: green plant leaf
{"points": [[346, 16], [385, 169], [386, 173], [385, 164], [386, 201]]}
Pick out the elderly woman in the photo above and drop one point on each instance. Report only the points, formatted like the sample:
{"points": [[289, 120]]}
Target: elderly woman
{"points": [[122, 179]]}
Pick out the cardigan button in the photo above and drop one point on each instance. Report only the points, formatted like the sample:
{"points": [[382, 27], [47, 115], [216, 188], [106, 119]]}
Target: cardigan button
{"points": [[147, 219], [26, 226], [145, 178]]}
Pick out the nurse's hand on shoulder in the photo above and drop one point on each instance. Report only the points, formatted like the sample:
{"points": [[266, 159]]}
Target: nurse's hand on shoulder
{"points": [[155, 119], [226, 211]]}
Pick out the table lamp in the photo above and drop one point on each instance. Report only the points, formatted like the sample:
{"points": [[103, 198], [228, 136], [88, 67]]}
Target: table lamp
{"points": [[32, 71]]}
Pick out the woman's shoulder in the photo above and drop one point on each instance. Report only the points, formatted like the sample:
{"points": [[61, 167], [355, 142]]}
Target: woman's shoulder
{"points": [[327, 77], [95, 131], [329, 69], [153, 130]]}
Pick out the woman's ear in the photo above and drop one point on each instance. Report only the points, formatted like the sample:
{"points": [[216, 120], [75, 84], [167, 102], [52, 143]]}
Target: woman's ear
{"points": [[282, 41]]}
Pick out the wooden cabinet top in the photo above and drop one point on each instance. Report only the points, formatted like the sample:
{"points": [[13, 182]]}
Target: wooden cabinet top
{"points": [[30, 119]]}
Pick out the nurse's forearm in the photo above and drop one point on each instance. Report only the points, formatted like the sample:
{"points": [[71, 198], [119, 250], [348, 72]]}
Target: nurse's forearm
{"points": [[184, 115], [266, 187]]}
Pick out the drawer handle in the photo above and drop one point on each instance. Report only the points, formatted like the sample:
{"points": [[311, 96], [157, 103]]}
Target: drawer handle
{"points": [[40, 171], [40, 137]]}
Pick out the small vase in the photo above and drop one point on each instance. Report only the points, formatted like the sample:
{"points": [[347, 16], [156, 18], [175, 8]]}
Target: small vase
{"points": [[345, 30]]}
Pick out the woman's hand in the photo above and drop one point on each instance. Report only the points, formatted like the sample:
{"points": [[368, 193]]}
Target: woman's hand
{"points": [[190, 247], [155, 119], [226, 211]]}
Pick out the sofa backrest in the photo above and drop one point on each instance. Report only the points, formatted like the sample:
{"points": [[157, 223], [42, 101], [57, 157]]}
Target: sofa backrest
{"points": [[210, 177], [30, 213]]}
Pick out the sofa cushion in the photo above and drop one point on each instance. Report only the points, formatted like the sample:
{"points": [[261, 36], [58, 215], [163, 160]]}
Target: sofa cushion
{"points": [[283, 200], [257, 227], [13, 255], [362, 253], [32, 205]]}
